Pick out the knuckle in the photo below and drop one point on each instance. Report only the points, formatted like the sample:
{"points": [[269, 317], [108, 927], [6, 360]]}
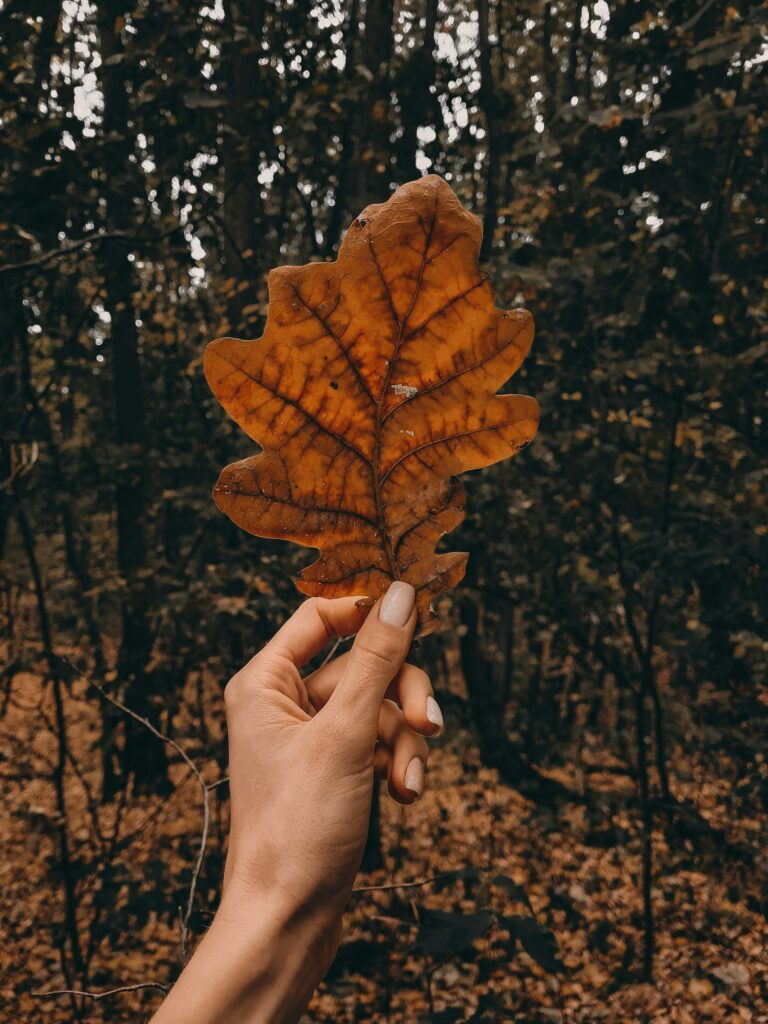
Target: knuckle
{"points": [[243, 683], [315, 607], [379, 650], [390, 711], [337, 730], [420, 677], [273, 662], [390, 721], [232, 691]]}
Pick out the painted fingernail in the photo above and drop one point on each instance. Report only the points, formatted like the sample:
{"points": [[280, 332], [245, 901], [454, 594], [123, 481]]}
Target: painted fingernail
{"points": [[414, 776], [434, 714], [397, 605]]}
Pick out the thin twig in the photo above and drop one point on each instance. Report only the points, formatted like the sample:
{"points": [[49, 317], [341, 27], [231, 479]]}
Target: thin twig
{"points": [[219, 782], [404, 885], [204, 792], [75, 246], [80, 776], [59, 774], [100, 896], [688, 25], [334, 647], [96, 996], [64, 250]]}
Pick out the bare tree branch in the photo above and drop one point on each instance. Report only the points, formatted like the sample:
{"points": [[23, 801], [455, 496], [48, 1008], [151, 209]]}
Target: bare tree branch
{"points": [[405, 885], [219, 782], [96, 996], [60, 253], [66, 250]]}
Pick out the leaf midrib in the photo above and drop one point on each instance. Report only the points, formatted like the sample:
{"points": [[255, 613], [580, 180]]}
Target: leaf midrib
{"points": [[376, 465]]}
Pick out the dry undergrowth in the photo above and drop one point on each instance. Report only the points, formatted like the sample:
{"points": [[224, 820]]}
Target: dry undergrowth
{"points": [[578, 864]]}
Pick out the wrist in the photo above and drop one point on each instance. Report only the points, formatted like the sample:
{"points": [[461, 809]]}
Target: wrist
{"points": [[259, 962], [281, 951], [272, 922]]}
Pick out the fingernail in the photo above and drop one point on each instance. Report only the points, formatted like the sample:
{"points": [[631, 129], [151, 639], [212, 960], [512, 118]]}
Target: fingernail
{"points": [[397, 605], [414, 776], [434, 714]]}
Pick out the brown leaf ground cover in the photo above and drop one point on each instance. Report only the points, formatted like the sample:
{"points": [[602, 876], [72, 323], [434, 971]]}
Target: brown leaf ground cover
{"points": [[576, 863]]}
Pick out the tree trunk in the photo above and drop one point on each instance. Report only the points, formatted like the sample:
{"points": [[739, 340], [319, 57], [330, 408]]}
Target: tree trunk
{"points": [[488, 102], [66, 865], [145, 762], [373, 166], [549, 64], [646, 836], [573, 52], [374, 155], [347, 146], [373, 858], [417, 104], [242, 156], [487, 696]]}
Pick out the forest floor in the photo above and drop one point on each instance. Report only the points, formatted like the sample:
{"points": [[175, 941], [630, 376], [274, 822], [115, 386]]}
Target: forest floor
{"points": [[571, 867]]}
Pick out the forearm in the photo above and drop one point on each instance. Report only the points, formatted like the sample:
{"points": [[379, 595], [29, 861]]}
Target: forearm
{"points": [[300, 789], [259, 963]]}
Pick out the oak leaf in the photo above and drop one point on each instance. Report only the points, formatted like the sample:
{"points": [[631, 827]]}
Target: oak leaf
{"points": [[373, 384]]}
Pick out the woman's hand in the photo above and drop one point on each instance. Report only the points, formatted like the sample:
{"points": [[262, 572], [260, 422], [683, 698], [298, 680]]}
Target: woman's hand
{"points": [[303, 753]]}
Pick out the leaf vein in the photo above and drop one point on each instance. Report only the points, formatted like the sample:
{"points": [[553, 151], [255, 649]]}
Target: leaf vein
{"points": [[451, 437], [332, 334], [294, 404]]}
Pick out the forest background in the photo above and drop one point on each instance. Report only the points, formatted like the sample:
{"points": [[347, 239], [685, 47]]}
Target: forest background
{"points": [[592, 845]]}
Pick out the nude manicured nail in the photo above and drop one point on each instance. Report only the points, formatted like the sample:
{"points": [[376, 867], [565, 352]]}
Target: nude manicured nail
{"points": [[414, 776], [397, 605], [434, 714]]}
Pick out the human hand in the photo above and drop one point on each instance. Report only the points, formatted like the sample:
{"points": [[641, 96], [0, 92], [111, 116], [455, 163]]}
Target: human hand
{"points": [[303, 751], [303, 755]]}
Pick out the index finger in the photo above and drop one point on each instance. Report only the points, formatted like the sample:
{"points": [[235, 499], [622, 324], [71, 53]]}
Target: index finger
{"points": [[314, 624]]}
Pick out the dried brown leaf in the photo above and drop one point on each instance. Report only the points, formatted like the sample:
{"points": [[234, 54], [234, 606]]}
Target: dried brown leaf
{"points": [[373, 385]]}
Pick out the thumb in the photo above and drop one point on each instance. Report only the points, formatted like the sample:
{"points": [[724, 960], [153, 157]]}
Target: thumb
{"points": [[379, 650]]}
